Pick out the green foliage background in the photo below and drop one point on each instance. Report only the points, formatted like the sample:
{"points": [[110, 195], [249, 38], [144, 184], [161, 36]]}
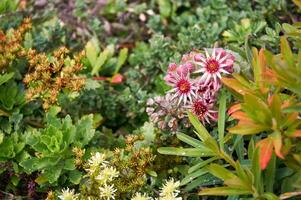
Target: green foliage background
{"points": [[137, 39]]}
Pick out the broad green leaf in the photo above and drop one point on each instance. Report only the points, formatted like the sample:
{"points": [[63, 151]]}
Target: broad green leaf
{"points": [[257, 66], [224, 191], [190, 152], [15, 180], [261, 114], [286, 52], [6, 77], [84, 131], [1, 137], [75, 176], [69, 164], [34, 164], [41, 179], [276, 107], [91, 52], [221, 120], [151, 172], [165, 8], [148, 131], [123, 54], [52, 174], [100, 61]]}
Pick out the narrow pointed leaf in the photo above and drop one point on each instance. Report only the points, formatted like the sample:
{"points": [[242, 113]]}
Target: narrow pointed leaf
{"points": [[190, 152], [224, 191], [221, 121], [201, 131]]}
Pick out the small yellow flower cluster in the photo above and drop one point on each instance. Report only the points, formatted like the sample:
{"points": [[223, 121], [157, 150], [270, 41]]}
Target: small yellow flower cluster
{"points": [[68, 194], [101, 175], [169, 191], [139, 196]]}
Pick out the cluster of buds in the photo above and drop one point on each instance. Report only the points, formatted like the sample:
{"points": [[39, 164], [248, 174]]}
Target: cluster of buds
{"points": [[47, 76], [133, 161], [165, 114], [195, 82], [79, 153], [11, 43]]}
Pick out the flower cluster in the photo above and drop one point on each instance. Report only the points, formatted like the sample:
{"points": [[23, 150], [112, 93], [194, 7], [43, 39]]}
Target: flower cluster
{"points": [[165, 114], [195, 82], [101, 175], [68, 194], [133, 162], [139, 196], [48, 75], [11, 43], [169, 191]]}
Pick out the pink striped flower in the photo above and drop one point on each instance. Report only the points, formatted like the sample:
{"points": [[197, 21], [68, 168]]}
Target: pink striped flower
{"points": [[183, 88], [203, 110], [213, 66]]}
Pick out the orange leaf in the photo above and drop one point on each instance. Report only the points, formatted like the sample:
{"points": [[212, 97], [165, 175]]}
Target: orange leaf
{"points": [[240, 116], [247, 128], [235, 85], [297, 133], [266, 149], [234, 108]]}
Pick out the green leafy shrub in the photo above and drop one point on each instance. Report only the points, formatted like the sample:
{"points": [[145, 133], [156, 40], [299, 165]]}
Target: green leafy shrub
{"points": [[53, 147]]}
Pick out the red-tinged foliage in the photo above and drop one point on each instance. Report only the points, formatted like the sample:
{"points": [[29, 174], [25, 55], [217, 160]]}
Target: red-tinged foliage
{"points": [[266, 150], [235, 85], [234, 108], [100, 78], [297, 133]]}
